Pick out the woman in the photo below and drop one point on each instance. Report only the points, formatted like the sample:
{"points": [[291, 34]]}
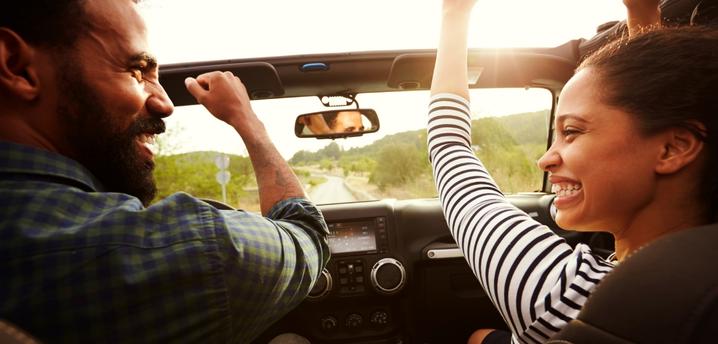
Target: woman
{"points": [[634, 155]]}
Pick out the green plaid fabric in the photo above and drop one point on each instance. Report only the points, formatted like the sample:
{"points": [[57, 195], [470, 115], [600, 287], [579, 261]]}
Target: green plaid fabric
{"points": [[81, 265]]}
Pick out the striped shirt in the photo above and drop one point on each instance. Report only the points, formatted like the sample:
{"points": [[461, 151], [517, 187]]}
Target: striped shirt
{"points": [[534, 278]]}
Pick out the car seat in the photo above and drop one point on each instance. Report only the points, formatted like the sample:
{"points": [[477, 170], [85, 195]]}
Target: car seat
{"points": [[666, 292]]}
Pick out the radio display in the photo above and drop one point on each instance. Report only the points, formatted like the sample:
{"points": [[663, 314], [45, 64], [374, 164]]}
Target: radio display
{"points": [[352, 237]]}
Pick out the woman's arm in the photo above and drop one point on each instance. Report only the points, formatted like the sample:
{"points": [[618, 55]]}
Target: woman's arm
{"points": [[537, 281], [450, 72]]}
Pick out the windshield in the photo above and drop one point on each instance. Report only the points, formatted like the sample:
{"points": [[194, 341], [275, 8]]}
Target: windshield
{"points": [[188, 30], [509, 134]]}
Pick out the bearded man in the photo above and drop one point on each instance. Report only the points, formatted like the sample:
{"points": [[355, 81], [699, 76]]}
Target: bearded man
{"points": [[84, 257]]}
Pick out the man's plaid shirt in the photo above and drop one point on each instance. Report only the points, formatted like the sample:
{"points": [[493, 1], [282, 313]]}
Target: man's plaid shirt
{"points": [[81, 265]]}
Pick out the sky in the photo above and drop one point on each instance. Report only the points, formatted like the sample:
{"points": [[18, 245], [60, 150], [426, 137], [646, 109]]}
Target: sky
{"points": [[184, 31]]}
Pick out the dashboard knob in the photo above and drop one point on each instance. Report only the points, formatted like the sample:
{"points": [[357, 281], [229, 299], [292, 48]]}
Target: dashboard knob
{"points": [[322, 287], [388, 276]]}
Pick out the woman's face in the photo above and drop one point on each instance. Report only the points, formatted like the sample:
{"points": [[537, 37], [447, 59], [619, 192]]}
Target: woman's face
{"points": [[602, 169]]}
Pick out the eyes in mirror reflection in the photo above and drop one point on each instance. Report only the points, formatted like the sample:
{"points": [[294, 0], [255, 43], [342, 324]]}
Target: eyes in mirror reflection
{"points": [[334, 123]]}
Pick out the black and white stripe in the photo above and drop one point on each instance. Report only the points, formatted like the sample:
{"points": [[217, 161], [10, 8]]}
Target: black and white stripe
{"points": [[535, 279]]}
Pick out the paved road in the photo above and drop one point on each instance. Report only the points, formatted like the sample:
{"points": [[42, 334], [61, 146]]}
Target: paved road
{"points": [[332, 191]]}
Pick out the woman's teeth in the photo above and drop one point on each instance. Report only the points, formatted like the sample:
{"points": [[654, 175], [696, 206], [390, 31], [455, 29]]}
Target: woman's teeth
{"points": [[563, 190]]}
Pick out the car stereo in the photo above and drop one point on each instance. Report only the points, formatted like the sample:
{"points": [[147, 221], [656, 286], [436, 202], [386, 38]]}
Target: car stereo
{"points": [[363, 236], [346, 291]]}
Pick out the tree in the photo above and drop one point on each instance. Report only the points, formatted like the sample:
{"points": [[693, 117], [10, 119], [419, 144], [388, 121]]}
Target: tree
{"points": [[195, 172], [169, 142], [326, 165], [331, 151], [302, 157], [397, 165]]}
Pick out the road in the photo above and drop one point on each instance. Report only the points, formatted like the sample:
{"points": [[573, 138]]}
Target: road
{"points": [[332, 191]]}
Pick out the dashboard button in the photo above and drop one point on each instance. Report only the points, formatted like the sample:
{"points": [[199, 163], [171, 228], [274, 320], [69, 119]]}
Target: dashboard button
{"points": [[379, 318], [353, 321], [328, 323]]}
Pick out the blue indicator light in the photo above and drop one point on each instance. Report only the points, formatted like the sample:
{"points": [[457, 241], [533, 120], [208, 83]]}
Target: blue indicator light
{"points": [[314, 67]]}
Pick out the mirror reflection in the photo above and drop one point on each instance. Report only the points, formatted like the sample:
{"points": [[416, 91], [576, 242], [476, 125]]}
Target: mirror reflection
{"points": [[335, 123]]}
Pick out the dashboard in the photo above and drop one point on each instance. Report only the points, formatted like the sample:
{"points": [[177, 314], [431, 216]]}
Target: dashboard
{"points": [[395, 273], [396, 276]]}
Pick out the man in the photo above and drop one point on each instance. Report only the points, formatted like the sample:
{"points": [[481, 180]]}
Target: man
{"points": [[83, 256], [346, 122]]}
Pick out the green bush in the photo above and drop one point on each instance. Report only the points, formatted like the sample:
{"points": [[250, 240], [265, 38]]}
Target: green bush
{"points": [[398, 164], [195, 173]]}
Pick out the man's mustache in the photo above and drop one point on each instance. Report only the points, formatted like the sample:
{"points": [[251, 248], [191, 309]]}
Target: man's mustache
{"points": [[147, 126]]}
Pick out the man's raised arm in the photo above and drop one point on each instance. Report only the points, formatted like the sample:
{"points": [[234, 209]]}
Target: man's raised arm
{"points": [[224, 95]]}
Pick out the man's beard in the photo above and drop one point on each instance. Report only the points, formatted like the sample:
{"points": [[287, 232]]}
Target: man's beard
{"points": [[109, 152]]}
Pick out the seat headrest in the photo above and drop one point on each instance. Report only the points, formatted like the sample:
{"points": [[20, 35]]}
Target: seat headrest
{"points": [[666, 292]]}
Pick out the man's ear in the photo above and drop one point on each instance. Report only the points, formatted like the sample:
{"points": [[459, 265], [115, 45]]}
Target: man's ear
{"points": [[681, 147], [18, 74]]}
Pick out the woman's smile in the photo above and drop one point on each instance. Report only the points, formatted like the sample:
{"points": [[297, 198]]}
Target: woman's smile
{"points": [[567, 194]]}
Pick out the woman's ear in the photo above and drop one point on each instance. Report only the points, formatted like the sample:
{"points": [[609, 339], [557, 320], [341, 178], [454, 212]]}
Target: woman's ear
{"points": [[681, 147], [18, 74]]}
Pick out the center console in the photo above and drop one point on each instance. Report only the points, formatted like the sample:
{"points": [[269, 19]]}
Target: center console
{"points": [[357, 295], [357, 249]]}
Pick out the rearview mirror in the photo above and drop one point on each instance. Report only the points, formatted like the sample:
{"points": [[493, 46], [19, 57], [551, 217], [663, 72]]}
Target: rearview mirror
{"points": [[334, 124]]}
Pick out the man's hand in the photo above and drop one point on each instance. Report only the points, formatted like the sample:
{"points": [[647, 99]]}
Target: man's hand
{"points": [[642, 14], [224, 95], [317, 125]]}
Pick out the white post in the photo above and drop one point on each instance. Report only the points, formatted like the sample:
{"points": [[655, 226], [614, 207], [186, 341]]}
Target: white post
{"points": [[223, 176]]}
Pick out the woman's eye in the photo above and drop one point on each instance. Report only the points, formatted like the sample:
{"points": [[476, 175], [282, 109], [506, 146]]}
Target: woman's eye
{"points": [[570, 132]]}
